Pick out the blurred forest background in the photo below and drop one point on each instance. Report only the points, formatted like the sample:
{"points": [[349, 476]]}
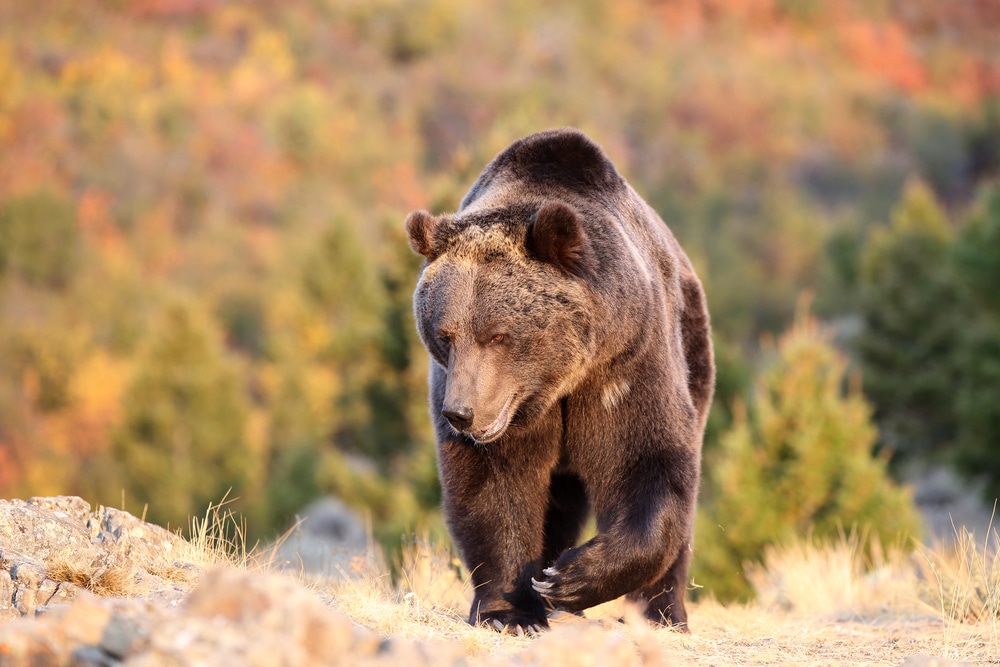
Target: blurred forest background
{"points": [[205, 285]]}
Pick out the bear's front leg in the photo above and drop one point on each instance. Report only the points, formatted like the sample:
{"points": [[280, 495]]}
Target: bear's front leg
{"points": [[495, 497], [644, 511]]}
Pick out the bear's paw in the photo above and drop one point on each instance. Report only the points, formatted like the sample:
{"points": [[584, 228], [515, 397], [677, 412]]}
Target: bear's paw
{"points": [[513, 622]]}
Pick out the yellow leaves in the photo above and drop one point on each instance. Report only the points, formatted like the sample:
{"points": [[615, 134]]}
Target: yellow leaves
{"points": [[919, 229], [316, 387], [267, 64], [109, 73], [10, 89], [309, 125], [303, 327], [70, 404], [269, 49], [176, 67], [97, 390], [94, 409], [105, 87]]}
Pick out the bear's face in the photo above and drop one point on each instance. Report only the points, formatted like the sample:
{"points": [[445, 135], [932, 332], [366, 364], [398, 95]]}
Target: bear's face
{"points": [[506, 319]]}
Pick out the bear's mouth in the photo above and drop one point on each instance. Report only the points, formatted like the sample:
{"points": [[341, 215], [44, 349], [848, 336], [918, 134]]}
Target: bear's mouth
{"points": [[494, 430]]}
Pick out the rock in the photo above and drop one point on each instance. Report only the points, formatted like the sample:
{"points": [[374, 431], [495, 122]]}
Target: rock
{"points": [[29, 650], [52, 592], [55, 549], [91, 656], [72, 508], [85, 620], [268, 606], [121, 636], [6, 591], [398, 651], [44, 653], [51, 609], [578, 646], [325, 540], [26, 577], [52, 547], [230, 617], [126, 533], [52, 537]]}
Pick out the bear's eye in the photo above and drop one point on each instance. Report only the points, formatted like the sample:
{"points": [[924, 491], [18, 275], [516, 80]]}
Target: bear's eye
{"points": [[444, 339], [497, 339]]}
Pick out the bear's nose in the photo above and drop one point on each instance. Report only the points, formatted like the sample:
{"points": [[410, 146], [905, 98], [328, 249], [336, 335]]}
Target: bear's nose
{"points": [[460, 417]]}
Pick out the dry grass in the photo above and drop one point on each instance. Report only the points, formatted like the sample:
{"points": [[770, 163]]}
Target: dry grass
{"points": [[118, 580], [219, 539], [964, 578], [817, 604], [429, 603], [854, 576]]}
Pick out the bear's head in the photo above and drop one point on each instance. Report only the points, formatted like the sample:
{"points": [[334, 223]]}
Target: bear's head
{"points": [[503, 307]]}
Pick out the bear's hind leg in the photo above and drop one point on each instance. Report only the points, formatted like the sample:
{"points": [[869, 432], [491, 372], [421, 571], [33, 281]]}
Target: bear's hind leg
{"points": [[663, 600], [565, 516]]}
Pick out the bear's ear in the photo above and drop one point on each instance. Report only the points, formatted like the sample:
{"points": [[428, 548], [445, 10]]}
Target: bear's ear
{"points": [[420, 226], [556, 237]]}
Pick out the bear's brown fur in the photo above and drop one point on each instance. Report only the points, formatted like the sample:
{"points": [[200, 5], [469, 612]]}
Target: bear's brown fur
{"points": [[571, 370]]}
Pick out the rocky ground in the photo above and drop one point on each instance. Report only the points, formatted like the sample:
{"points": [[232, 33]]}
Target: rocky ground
{"points": [[99, 588], [96, 588]]}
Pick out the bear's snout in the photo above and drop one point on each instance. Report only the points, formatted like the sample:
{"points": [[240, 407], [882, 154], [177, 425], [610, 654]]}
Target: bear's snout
{"points": [[459, 417]]}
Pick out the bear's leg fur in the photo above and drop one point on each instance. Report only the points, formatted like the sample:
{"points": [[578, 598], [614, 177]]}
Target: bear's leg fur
{"points": [[643, 496], [495, 500], [495, 508], [499, 534], [632, 548], [697, 337]]}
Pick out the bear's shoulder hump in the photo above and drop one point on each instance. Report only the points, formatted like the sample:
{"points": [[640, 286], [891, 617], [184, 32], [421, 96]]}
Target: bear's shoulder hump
{"points": [[562, 159]]}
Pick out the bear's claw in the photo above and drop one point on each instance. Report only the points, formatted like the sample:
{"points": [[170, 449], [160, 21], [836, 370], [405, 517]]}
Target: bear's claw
{"points": [[514, 624], [566, 588], [530, 630], [545, 588], [541, 587]]}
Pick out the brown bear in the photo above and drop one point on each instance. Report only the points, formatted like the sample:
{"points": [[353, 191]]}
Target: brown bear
{"points": [[572, 370]]}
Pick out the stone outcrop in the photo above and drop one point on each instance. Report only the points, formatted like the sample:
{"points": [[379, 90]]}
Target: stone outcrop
{"points": [[55, 554], [50, 548], [230, 618]]}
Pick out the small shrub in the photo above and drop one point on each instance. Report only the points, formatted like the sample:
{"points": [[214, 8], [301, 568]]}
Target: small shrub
{"points": [[798, 460]]}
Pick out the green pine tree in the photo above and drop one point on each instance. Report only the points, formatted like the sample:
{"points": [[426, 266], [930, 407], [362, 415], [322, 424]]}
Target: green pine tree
{"points": [[181, 445], [977, 396], [797, 461], [910, 308], [977, 251]]}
